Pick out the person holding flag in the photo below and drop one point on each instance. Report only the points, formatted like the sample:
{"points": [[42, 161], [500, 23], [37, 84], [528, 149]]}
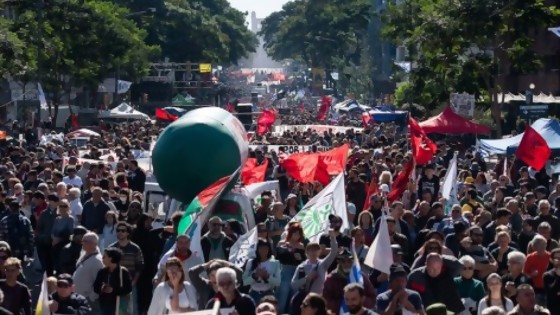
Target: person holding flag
{"points": [[347, 271]]}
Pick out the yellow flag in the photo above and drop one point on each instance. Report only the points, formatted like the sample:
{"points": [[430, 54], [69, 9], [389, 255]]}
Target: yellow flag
{"points": [[43, 302]]}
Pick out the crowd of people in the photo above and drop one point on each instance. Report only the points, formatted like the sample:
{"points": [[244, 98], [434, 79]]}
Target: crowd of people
{"points": [[494, 252]]}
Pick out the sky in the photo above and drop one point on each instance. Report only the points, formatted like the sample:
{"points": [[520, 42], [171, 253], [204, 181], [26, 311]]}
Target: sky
{"points": [[263, 8]]}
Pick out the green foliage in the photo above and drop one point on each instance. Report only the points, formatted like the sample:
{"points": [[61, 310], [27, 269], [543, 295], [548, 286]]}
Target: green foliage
{"points": [[15, 58], [202, 31], [316, 31], [458, 45]]}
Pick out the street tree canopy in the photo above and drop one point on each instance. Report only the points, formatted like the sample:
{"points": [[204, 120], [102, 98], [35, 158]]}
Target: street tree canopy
{"points": [[464, 46], [316, 31]]}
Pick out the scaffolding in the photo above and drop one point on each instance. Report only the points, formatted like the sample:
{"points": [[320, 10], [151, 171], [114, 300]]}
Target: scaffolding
{"points": [[182, 76]]}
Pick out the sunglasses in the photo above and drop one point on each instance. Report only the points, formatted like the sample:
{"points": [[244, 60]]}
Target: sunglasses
{"points": [[63, 285], [433, 249], [468, 268], [122, 231]]}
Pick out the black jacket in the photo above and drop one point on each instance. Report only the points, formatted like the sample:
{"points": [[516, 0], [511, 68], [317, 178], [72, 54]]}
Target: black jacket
{"points": [[75, 304], [242, 303], [206, 244]]}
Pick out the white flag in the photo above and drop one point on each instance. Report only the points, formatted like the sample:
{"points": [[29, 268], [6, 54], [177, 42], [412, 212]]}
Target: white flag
{"points": [[42, 307], [123, 86], [254, 191], [244, 248], [380, 255], [314, 217], [555, 30], [42, 98], [449, 188], [194, 233]]}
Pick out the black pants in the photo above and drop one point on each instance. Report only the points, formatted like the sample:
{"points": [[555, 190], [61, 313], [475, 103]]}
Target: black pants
{"points": [[55, 255], [45, 257]]}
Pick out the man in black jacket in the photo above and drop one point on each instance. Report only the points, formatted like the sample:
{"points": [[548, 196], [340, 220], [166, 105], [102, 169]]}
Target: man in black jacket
{"points": [[65, 301]]}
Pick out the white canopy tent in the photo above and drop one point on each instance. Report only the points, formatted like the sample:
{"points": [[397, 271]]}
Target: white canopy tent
{"points": [[123, 111]]}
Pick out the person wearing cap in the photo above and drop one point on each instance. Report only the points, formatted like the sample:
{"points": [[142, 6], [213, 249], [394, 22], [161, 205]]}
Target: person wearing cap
{"points": [[429, 181], [342, 239], [545, 215], [16, 229], [438, 309], [32, 182], [65, 300], [398, 297], [435, 285], [333, 291], [309, 276]]}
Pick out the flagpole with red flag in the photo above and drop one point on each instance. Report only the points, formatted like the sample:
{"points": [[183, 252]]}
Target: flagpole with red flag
{"points": [[533, 149]]}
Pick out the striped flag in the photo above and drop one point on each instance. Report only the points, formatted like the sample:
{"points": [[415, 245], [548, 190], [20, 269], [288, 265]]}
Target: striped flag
{"points": [[205, 201], [354, 277], [43, 301]]}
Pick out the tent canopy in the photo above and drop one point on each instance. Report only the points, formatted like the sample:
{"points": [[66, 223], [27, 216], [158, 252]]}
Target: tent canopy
{"points": [[549, 129], [450, 123], [123, 111], [384, 114]]}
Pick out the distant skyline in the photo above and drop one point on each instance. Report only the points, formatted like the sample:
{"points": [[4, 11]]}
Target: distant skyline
{"points": [[262, 8]]}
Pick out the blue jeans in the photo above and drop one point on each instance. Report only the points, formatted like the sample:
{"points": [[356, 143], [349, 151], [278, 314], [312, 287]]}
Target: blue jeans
{"points": [[285, 292], [258, 295]]}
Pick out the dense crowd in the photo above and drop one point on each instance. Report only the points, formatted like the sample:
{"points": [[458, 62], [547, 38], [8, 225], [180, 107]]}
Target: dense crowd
{"points": [[495, 252]]}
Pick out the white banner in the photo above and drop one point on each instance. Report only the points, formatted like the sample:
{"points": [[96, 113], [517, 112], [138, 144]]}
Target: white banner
{"points": [[317, 128], [254, 191], [288, 149]]}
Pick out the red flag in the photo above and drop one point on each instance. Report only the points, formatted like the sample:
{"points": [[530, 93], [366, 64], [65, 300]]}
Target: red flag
{"points": [[401, 182], [324, 109], [265, 121], [423, 149], [252, 173], [165, 115], [334, 161], [372, 189], [301, 166], [366, 118], [230, 108], [75, 123], [533, 149]]}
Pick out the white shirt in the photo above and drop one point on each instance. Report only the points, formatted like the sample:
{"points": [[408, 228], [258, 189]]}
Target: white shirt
{"points": [[75, 182], [161, 299], [76, 208]]}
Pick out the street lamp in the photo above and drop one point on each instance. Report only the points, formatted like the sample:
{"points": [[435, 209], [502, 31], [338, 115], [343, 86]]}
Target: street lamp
{"points": [[529, 94]]}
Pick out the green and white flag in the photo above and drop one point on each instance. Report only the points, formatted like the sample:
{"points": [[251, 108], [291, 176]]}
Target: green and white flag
{"points": [[314, 217]]}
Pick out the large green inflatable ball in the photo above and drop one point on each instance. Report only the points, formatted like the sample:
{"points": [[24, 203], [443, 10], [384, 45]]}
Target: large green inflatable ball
{"points": [[196, 150]]}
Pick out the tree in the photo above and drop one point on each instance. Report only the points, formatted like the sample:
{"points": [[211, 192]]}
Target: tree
{"points": [[316, 31], [202, 31], [80, 42], [463, 45]]}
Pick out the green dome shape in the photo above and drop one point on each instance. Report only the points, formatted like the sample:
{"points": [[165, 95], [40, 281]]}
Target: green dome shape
{"points": [[196, 150]]}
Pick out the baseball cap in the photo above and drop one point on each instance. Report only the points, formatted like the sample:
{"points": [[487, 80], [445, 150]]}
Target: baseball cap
{"points": [[438, 309]]}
